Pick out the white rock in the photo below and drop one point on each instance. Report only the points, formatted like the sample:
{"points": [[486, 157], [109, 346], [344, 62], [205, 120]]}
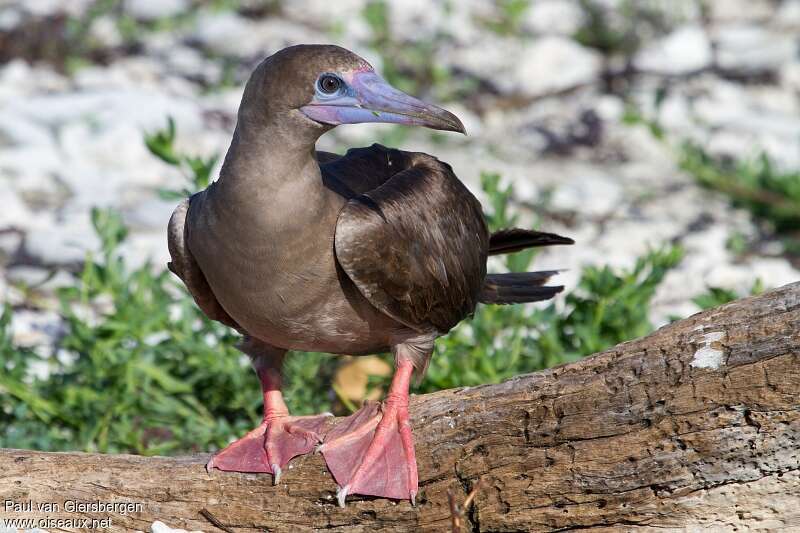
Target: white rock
{"points": [[143, 247], [15, 214], [224, 33], [149, 213], [41, 8], [721, 101], [707, 354], [143, 108], [126, 73], [233, 35], [610, 108], [675, 113], [61, 278], [738, 278], [65, 241], [160, 527], [18, 79], [105, 31], [323, 12], [155, 9], [740, 10], [773, 272], [424, 16], [10, 19], [790, 76], [746, 48], [554, 64], [490, 58], [685, 50], [35, 328], [788, 16], [41, 279], [9, 244], [28, 276], [590, 192], [561, 17], [190, 62], [730, 143]]}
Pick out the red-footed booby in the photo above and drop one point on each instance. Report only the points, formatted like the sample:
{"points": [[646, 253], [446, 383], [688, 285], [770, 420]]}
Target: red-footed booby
{"points": [[377, 250]]}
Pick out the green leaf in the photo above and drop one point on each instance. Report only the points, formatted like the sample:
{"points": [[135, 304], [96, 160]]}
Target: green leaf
{"points": [[160, 143]]}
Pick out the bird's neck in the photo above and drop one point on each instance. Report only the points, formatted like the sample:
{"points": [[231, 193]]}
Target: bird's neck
{"points": [[271, 163], [264, 150]]}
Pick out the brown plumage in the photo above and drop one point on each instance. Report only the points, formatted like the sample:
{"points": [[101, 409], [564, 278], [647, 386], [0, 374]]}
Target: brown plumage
{"points": [[507, 241], [376, 250], [415, 245]]}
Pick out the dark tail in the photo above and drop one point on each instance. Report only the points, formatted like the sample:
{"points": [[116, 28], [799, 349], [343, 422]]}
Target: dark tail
{"points": [[520, 287], [512, 240]]}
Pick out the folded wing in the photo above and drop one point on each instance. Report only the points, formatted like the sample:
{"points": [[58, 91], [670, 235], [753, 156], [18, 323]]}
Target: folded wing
{"points": [[416, 244], [185, 266]]}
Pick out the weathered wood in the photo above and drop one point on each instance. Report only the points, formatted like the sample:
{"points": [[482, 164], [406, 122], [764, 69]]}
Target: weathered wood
{"points": [[696, 425]]}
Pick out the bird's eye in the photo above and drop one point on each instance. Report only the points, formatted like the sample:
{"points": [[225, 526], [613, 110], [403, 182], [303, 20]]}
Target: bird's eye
{"points": [[329, 84]]}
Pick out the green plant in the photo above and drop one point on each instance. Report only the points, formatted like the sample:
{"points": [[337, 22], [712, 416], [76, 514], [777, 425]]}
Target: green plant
{"points": [[196, 169], [619, 30], [755, 184], [138, 369], [773, 196], [716, 296], [633, 116], [508, 17]]}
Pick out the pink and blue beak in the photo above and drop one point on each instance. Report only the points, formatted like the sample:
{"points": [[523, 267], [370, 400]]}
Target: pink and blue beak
{"points": [[363, 96]]}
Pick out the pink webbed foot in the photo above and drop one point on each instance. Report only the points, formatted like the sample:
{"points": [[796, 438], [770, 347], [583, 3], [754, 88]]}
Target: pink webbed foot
{"points": [[371, 452], [269, 447], [280, 437]]}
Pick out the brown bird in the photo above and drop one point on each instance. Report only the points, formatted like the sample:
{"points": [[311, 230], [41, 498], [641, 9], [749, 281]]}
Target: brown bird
{"points": [[376, 250]]}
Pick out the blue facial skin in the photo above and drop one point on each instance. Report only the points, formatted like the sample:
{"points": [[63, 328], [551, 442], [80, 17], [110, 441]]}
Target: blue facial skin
{"points": [[363, 96]]}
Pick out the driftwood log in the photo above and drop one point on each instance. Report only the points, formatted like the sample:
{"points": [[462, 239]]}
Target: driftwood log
{"points": [[695, 426]]}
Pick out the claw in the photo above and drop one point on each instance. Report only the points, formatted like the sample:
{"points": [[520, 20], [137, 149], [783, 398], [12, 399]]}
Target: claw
{"points": [[276, 473], [413, 499], [341, 494]]}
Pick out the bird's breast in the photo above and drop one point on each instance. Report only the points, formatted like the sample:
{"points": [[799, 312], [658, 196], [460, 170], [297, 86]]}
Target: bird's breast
{"points": [[283, 286]]}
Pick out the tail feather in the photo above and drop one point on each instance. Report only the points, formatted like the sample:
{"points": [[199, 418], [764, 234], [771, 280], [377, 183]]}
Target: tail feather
{"points": [[518, 287], [512, 240]]}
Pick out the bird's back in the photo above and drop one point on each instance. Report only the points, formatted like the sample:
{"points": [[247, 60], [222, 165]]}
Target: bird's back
{"points": [[416, 243]]}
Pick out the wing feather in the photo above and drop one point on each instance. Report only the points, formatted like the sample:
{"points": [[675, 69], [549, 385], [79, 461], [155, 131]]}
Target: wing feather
{"points": [[415, 245], [185, 266]]}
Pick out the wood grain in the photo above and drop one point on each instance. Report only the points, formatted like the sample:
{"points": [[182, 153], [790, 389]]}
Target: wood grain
{"points": [[694, 426]]}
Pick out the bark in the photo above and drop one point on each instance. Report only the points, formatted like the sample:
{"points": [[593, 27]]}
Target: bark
{"points": [[694, 426]]}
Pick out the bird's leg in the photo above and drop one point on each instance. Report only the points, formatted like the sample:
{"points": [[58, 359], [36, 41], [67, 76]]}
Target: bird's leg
{"points": [[279, 437], [371, 452]]}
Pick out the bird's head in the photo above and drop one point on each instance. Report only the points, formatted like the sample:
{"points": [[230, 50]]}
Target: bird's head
{"points": [[330, 85]]}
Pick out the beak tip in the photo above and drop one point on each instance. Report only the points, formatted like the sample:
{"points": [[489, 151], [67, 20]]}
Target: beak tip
{"points": [[455, 124]]}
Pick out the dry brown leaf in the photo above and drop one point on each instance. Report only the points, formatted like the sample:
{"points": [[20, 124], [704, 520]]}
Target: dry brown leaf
{"points": [[352, 378]]}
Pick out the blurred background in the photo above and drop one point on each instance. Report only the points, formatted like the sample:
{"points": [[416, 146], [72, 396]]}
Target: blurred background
{"points": [[663, 136]]}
